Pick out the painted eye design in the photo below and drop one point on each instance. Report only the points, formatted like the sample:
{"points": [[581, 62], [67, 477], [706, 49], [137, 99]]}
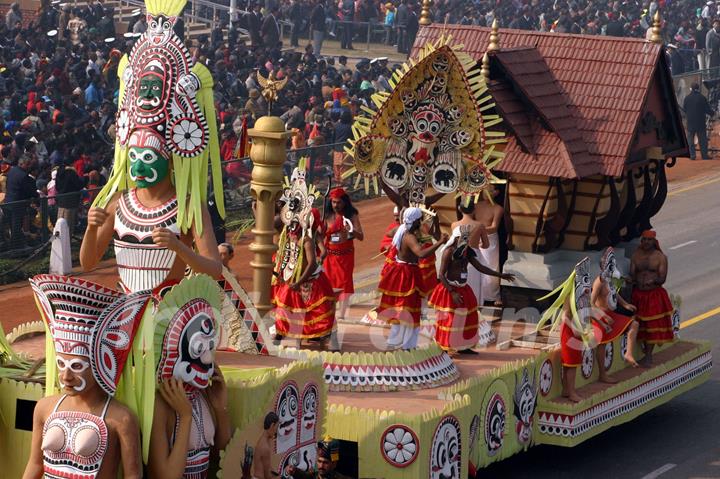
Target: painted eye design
{"points": [[153, 25], [133, 156], [166, 26]]}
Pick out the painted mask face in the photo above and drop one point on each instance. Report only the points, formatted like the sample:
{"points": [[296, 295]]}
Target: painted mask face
{"points": [[609, 265], [74, 373], [427, 123], [495, 424], [525, 401], [197, 351], [445, 450], [150, 92], [160, 28], [147, 167], [309, 414], [582, 291], [287, 411]]}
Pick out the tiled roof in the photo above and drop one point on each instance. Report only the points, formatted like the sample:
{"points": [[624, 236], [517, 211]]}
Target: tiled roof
{"points": [[557, 150], [606, 80]]}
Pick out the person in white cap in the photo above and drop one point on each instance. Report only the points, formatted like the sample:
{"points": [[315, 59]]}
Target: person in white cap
{"points": [[401, 284], [141, 24]]}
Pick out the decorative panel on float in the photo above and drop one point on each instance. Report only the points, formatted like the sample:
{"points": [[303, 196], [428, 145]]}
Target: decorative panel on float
{"points": [[396, 445], [15, 443], [297, 394]]}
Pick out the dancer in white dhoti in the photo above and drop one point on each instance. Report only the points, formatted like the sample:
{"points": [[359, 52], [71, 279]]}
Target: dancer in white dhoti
{"points": [[490, 214]]}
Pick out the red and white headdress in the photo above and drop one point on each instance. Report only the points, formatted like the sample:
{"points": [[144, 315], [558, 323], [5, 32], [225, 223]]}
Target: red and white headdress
{"points": [[90, 320]]}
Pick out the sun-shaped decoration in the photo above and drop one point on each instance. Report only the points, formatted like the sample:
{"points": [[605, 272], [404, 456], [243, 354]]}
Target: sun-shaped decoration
{"points": [[432, 131]]}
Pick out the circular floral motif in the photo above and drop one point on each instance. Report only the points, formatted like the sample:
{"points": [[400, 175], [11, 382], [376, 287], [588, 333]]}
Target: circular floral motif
{"points": [[187, 135], [588, 361], [399, 445], [122, 127], [546, 377], [608, 356]]}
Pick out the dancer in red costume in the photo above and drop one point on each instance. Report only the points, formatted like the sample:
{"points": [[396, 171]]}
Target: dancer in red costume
{"points": [[609, 321], [342, 227], [454, 301], [302, 294], [648, 270], [402, 284], [386, 241]]}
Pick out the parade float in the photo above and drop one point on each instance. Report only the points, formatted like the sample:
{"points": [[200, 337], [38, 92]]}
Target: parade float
{"points": [[399, 414]]}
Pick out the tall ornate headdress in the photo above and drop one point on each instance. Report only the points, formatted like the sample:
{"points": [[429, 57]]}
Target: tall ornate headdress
{"points": [[577, 288], [609, 273], [87, 319], [432, 130], [177, 105], [298, 198]]}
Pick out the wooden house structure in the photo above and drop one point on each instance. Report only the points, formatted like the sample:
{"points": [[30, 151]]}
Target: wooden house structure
{"points": [[592, 122]]}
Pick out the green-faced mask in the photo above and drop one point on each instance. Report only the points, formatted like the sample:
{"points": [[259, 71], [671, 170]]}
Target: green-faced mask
{"points": [[150, 92], [147, 167]]}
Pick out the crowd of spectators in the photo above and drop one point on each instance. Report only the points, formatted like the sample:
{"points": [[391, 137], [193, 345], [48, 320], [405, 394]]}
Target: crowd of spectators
{"points": [[59, 85]]}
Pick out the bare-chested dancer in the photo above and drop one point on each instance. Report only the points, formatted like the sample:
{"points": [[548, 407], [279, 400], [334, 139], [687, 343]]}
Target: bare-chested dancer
{"points": [[648, 269], [490, 214]]}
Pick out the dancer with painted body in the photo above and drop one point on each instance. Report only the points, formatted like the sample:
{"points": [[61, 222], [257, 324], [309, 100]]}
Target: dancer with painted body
{"points": [[150, 246], [648, 270], [454, 301], [490, 214], [609, 321], [191, 421], [401, 285], [83, 432], [154, 209]]}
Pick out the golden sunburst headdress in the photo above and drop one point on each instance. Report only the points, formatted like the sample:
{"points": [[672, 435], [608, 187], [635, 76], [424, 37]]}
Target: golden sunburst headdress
{"points": [[433, 130]]}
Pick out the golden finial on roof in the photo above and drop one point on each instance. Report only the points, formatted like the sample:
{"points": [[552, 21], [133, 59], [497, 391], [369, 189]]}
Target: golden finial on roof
{"points": [[270, 88], [494, 36], [656, 32], [485, 69], [425, 13]]}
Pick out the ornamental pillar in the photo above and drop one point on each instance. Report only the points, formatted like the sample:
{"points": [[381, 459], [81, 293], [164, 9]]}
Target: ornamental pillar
{"points": [[268, 154]]}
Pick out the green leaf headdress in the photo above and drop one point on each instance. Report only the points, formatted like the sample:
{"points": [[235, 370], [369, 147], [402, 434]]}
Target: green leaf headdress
{"points": [[577, 288]]}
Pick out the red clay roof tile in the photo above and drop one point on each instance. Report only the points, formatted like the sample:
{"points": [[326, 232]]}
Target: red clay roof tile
{"points": [[604, 80]]}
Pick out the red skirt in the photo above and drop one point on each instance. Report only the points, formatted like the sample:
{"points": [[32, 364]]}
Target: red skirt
{"points": [[306, 313], [401, 300], [429, 274], [390, 256], [339, 265], [571, 347], [619, 325], [456, 326], [654, 312]]}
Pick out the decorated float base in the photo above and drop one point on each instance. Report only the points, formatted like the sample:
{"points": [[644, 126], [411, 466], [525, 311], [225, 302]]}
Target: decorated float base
{"points": [[411, 414]]}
